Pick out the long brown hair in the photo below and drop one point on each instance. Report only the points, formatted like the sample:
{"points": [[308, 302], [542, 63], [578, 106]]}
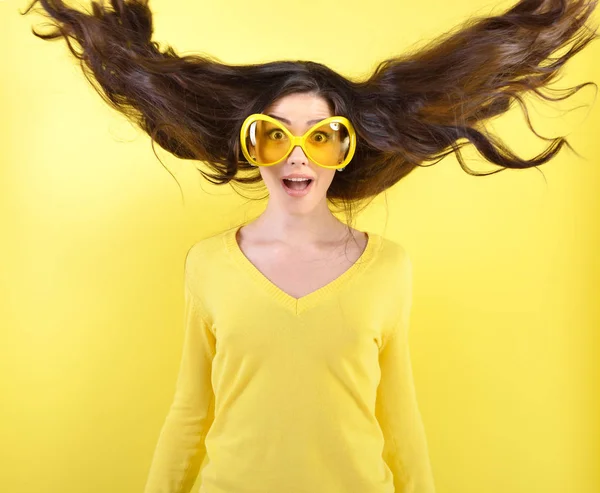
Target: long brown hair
{"points": [[413, 108]]}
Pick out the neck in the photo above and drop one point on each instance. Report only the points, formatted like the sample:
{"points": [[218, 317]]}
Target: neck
{"points": [[305, 228]]}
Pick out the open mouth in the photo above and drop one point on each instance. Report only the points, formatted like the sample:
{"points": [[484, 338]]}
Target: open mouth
{"points": [[297, 184]]}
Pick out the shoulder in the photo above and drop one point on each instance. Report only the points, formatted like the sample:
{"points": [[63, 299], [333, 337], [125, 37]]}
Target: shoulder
{"points": [[395, 255], [205, 251]]}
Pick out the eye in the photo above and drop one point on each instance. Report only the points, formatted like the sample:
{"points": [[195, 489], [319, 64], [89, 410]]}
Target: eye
{"points": [[320, 137], [276, 134]]}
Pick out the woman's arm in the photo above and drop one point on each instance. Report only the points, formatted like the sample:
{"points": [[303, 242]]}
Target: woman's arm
{"points": [[180, 450], [405, 450]]}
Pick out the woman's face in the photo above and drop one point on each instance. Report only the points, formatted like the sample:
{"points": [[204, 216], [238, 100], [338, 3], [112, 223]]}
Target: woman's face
{"points": [[300, 112]]}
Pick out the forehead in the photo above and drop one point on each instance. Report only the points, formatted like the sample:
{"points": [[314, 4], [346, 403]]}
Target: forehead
{"points": [[300, 108]]}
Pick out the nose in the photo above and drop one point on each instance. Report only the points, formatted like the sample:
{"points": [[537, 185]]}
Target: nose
{"points": [[297, 156]]}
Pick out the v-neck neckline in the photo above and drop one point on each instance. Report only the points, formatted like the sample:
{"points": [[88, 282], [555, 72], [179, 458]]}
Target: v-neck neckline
{"points": [[300, 305]]}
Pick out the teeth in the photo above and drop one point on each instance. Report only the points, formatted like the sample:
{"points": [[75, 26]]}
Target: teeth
{"points": [[297, 179]]}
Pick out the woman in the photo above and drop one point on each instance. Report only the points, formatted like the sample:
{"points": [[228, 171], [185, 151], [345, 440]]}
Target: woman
{"points": [[295, 374]]}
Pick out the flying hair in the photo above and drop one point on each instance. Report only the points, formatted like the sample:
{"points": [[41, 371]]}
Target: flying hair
{"points": [[415, 108]]}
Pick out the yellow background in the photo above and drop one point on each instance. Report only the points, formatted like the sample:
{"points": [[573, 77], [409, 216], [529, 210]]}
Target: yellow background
{"points": [[504, 329]]}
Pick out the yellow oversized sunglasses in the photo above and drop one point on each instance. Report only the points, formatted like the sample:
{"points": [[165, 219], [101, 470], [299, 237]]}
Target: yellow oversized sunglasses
{"points": [[330, 143]]}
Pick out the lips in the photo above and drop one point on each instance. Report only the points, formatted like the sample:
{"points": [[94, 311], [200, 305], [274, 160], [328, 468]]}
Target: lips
{"points": [[297, 193], [288, 181], [306, 177]]}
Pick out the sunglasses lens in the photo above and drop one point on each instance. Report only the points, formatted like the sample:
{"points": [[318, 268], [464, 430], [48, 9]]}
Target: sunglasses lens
{"points": [[326, 145]]}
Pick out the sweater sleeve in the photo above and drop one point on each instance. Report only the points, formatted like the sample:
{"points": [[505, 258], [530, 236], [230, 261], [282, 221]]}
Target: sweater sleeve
{"points": [[405, 446], [180, 450]]}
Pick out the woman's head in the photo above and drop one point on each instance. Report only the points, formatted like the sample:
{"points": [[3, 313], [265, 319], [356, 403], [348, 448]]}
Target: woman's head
{"points": [[413, 108], [298, 112]]}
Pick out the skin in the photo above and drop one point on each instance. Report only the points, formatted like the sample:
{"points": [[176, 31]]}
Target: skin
{"points": [[300, 224]]}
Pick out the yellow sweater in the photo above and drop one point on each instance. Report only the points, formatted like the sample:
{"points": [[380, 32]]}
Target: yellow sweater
{"points": [[283, 395]]}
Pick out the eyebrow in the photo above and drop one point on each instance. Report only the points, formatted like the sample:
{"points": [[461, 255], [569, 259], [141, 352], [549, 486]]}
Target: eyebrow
{"points": [[309, 122]]}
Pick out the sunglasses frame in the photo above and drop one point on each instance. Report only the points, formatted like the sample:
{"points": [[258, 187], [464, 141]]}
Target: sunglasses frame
{"points": [[298, 140]]}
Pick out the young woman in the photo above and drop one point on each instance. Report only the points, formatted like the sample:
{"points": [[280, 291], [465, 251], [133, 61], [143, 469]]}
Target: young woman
{"points": [[296, 374]]}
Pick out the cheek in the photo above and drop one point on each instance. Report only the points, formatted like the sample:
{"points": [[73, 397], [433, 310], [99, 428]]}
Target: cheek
{"points": [[268, 176], [325, 177]]}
